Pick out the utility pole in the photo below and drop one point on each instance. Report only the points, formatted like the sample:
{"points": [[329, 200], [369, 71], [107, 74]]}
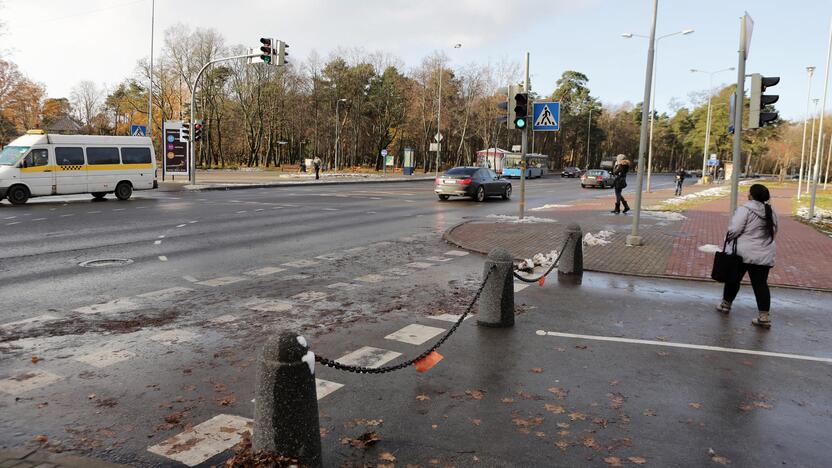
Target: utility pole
{"points": [[438, 123], [150, 89], [815, 173], [810, 71], [739, 100], [588, 133], [634, 238], [524, 146]]}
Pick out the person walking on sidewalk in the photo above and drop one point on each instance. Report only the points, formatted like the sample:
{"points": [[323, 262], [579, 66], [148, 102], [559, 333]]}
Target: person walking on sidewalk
{"points": [[753, 228], [622, 167], [680, 179], [317, 163]]}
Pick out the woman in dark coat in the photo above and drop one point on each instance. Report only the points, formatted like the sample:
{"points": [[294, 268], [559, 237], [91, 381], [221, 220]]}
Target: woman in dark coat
{"points": [[622, 167]]}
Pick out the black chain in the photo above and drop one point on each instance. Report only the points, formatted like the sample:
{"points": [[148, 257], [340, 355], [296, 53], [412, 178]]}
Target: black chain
{"points": [[554, 264], [383, 370]]}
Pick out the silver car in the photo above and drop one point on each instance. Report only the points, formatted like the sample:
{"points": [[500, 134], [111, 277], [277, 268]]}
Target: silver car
{"points": [[596, 178]]}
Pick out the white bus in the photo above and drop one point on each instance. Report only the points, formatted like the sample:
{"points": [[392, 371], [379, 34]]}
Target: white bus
{"points": [[37, 164]]}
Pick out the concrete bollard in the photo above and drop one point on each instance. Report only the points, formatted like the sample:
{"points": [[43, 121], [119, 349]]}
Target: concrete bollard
{"points": [[286, 405], [497, 298], [571, 266]]}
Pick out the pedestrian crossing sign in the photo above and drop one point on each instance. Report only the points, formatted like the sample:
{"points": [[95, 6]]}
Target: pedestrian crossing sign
{"points": [[546, 116]]}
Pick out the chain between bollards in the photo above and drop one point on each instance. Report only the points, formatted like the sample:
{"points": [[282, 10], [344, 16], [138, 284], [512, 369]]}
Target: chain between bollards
{"points": [[383, 370], [552, 267]]}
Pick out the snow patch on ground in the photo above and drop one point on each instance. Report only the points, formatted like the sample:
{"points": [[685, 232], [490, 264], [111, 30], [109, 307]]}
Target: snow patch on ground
{"points": [[711, 192], [516, 220], [820, 213], [709, 248], [664, 215], [602, 238], [547, 207], [539, 259]]}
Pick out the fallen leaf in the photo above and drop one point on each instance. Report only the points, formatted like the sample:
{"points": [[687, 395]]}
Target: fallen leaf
{"points": [[537, 370], [227, 401], [600, 421], [695, 405], [576, 415], [637, 460], [662, 353], [649, 412], [746, 362], [557, 409], [558, 392], [564, 433], [36, 359], [721, 460], [760, 404], [476, 422], [613, 461], [324, 431], [434, 461], [434, 426], [561, 350], [174, 418], [614, 382], [387, 456], [475, 394], [746, 408], [91, 396], [540, 434], [563, 425], [580, 346], [507, 400], [590, 442], [562, 444], [363, 441], [422, 397], [42, 405], [661, 338], [616, 400], [41, 438]]}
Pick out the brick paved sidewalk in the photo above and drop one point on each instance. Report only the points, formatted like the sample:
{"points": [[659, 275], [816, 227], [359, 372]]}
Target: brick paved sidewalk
{"points": [[671, 246], [32, 458]]}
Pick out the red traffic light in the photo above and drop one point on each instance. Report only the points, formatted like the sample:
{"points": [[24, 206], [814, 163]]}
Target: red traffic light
{"points": [[266, 41]]}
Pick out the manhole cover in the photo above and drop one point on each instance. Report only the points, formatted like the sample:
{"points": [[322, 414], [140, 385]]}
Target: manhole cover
{"points": [[106, 262]]}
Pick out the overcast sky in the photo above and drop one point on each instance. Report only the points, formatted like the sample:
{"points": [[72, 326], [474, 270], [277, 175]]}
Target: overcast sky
{"points": [[60, 42]]}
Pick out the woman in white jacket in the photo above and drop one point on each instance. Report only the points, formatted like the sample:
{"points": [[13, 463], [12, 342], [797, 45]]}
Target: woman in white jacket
{"points": [[753, 228]]}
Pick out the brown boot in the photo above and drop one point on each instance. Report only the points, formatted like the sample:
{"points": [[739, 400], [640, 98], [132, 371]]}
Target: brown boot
{"points": [[763, 321]]}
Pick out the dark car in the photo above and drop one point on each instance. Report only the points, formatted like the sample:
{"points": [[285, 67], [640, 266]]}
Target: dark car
{"points": [[596, 178], [571, 172], [475, 182]]}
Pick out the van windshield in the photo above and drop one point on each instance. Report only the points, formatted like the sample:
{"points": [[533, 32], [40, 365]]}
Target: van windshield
{"points": [[12, 154]]}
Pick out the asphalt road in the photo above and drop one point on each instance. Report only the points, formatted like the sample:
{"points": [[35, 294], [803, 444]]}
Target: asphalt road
{"points": [[112, 360]]}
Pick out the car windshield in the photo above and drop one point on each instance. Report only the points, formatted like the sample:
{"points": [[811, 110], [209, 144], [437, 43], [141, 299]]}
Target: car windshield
{"points": [[463, 171], [12, 154]]}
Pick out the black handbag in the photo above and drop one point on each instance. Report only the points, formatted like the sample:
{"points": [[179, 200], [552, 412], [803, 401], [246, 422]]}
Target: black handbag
{"points": [[726, 265]]}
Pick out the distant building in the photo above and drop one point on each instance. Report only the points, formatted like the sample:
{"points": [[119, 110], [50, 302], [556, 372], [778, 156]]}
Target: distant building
{"points": [[64, 125]]}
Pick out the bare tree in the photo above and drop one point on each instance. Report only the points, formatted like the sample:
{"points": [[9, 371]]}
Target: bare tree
{"points": [[86, 98]]}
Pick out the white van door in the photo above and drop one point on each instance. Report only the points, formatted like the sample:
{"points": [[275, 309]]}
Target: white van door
{"points": [[37, 172], [103, 165], [70, 170]]}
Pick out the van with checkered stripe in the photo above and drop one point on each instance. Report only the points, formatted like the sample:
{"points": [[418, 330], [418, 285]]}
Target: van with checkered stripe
{"points": [[39, 164]]}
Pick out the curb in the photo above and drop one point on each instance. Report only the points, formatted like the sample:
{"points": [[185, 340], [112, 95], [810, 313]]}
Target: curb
{"points": [[296, 184], [447, 238]]}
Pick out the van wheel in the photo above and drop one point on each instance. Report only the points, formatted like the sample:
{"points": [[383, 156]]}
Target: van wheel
{"points": [[124, 190], [99, 195], [18, 195]]}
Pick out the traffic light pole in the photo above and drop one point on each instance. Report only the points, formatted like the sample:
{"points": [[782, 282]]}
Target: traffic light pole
{"points": [[739, 102], [524, 144], [191, 152], [819, 158]]}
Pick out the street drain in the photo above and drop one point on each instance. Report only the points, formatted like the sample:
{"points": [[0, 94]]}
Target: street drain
{"points": [[106, 262]]}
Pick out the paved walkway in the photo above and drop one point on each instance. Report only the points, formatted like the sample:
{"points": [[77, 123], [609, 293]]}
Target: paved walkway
{"points": [[33, 458], [672, 242]]}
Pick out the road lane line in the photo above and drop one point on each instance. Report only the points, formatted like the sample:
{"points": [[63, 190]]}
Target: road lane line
{"points": [[414, 334], [671, 344], [163, 258], [222, 281], [158, 242], [368, 356], [181, 225]]}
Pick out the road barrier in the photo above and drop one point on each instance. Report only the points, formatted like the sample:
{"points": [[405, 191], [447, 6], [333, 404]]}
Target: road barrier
{"points": [[571, 266], [497, 304]]}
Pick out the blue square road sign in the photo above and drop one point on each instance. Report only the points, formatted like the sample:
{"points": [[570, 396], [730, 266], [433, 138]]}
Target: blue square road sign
{"points": [[546, 117]]}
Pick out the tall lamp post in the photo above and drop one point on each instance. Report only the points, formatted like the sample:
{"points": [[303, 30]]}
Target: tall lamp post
{"points": [[337, 131], [439, 116], [628, 35], [588, 133], [150, 89], [810, 70], [708, 121], [811, 147]]}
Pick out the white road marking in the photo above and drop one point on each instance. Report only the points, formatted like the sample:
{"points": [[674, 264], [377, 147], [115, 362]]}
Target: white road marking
{"points": [[456, 253], [242, 211], [259, 209], [119, 209], [325, 387], [204, 440], [12, 224], [93, 212], [439, 259], [520, 286], [28, 381], [398, 272], [192, 222], [141, 207], [331, 256], [111, 307], [343, 286], [39, 219], [297, 277], [66, 215], [269, 305], [163, 258], [368, 356], [301, 263], [161, 237], [671, 344], [164, 293], [355, 250], [448, 317], [419, 265], [190, 279], [371, 212], [371, 278], [173, 336], [222, 281], [158, 242], [227, 318], [10, 217], [28, 321], [414, 334], [181, 225], [310, 296], [264, 271], [330, 209], [105, 357]]}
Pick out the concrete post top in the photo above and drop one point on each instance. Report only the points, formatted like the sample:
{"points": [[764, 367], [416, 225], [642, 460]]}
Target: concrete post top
{"points": [[500, 255], [573, 227], [288, 347]]}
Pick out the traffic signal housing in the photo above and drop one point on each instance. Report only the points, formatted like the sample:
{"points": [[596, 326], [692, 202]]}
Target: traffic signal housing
{"points": [[281, 53], [185, 132], [757, 117], [521, 110], [267, 50], [198, 130]]}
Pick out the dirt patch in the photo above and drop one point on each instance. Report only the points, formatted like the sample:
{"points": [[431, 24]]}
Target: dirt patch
{"points": [[79, 326]]}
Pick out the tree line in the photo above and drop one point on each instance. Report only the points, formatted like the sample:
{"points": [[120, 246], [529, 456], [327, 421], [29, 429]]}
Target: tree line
{"points": [[257, 115]]}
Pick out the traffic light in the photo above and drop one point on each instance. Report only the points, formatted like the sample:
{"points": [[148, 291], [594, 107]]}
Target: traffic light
{"points": [[756, 115], [185, 132], [509, 105], [521, 110], [198, 130], [267, 49], [502, 116], [281, 53]]}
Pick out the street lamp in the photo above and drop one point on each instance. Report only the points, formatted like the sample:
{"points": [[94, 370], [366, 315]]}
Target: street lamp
{"points": [[629, 35], [337, 131], [811, 147], [708, 121], [810, 70]]}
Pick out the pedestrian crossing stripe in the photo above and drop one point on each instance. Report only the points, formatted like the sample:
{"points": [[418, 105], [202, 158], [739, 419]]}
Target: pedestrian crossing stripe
{"points": [[545, 118]]}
